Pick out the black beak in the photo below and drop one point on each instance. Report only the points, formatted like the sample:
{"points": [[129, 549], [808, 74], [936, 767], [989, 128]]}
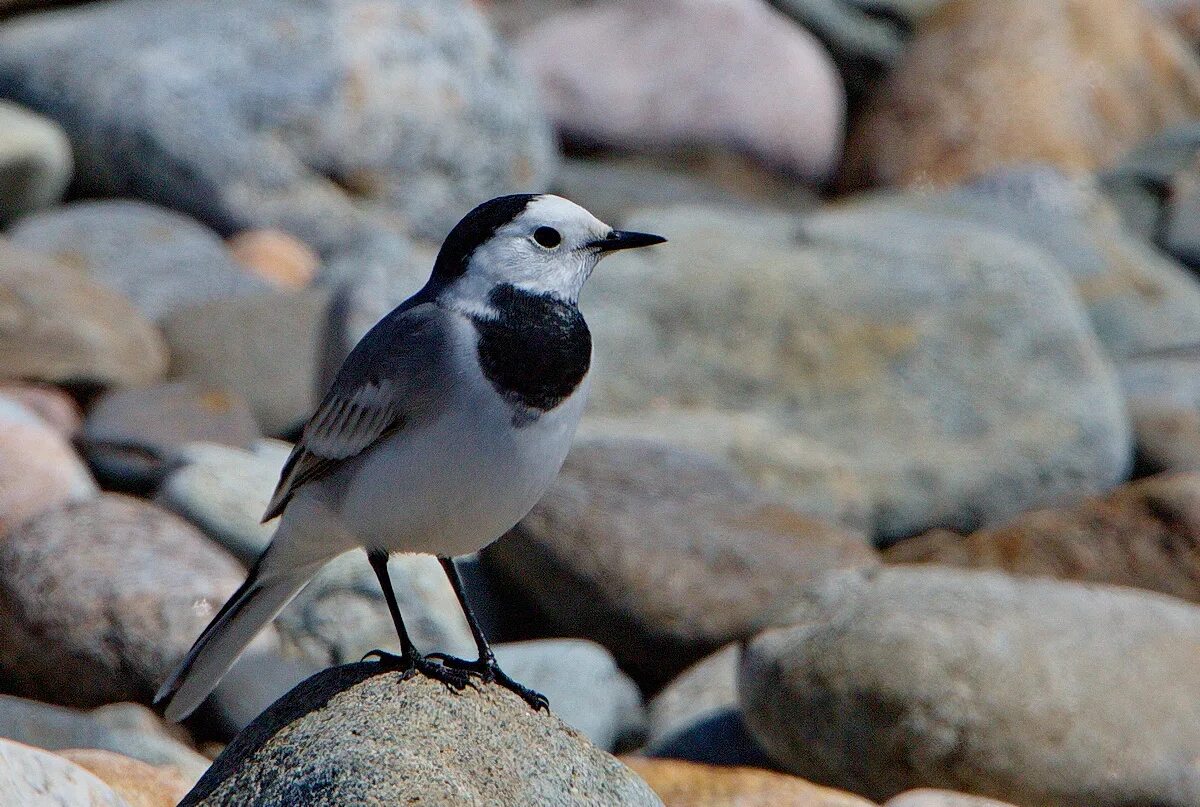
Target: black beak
{"points": [[623, 239]]}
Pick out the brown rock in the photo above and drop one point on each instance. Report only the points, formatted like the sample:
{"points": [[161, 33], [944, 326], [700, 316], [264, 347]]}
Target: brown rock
{"points": [[276, 257], [99, 600], [59, 326], [690, 784], [1073, 83], [141, 785], [49, 403], [663, 555], [1145, 534]]}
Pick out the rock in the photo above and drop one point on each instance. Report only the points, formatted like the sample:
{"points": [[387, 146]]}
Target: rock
{"points": [[584, 687], [926, 797], [815, 478], [33, 776], [352, 735], [132, 435], [1137, 299], [1157, 187], [697, 716], [63, 328], [985, 683], [101, 599], [51, 404], [276, 257], [129, 729], [325, 120], [906, 345], [865, 41], [39, 471], [1142, 535], [1087, 79], [266, 348], [341, 614], [614, 185], [35, 162], [225, 490], [690, 784], [682, 534], [1167, 440], [159, 259], [253, 683], [686, 73], [141, 785]]}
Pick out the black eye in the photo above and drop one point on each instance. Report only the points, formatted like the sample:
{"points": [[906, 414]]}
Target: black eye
{"points": [[547, 237]]}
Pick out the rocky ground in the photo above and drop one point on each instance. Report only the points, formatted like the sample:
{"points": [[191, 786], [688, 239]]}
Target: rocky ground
{"points": [[889, 488]]}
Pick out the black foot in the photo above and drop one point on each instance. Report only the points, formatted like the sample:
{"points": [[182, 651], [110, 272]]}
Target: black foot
{"points": [[411, 664], [489, 671]]}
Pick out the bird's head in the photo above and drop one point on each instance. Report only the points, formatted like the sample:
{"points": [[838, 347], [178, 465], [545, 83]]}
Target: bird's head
{"points": [[539, 243]]}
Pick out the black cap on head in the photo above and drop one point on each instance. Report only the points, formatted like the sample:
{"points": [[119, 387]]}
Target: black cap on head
{"points": [[476, 227]]}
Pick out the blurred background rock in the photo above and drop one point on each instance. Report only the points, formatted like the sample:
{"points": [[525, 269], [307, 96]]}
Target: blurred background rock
{"points": [[887, 490]]}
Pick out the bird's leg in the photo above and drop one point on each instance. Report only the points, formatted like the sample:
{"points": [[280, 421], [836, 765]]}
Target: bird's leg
{"points": [[485, 666], [409, 661]]}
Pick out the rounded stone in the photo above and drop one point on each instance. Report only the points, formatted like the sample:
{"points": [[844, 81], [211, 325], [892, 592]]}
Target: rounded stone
{"points": [[355, 735], [33, 776], [63, 328], [35, 162], [100, 600], [662, 555], [39, 471], [1029, 690], [159, 259], [683, 73]]}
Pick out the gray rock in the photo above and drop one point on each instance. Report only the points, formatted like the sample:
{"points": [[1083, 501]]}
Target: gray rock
{"points": [[124, 728], [35, 162], [254, 682], [63, 328], [131, 435], [697, 716], [159, 259], [584, 687], [612, 186], [1034, 691], [100, 600], [341, 614], [954, 366], [324, 119], [224, 491], [351, 735], [815, 478], [648, 549], [1137, 299], [33, 776], [267, 348]]}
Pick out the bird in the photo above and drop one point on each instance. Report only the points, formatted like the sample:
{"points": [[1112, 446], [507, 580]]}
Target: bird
{"points": [[444, 426]]}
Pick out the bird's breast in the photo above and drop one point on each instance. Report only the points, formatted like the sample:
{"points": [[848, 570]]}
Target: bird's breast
{"points": [[535, 353]]}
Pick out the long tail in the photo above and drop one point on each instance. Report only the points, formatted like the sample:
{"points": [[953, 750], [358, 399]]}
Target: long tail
{"points": [[251, 607]]}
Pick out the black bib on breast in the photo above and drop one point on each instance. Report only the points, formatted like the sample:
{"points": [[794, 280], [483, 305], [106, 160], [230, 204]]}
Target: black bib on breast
{"points": [[536, 352]]}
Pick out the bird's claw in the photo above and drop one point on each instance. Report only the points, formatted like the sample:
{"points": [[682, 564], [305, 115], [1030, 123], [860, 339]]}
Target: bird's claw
{"points": [[488, 671], [410, 664]]}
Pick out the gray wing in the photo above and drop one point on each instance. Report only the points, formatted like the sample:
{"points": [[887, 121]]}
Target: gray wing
{"points": [[390, 381]]}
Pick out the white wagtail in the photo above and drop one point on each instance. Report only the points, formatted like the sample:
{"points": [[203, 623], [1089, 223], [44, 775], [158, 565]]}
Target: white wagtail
{"points": [[443, 428]]}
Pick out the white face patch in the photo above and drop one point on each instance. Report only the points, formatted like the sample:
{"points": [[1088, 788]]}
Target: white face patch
{"points": [[557, 260]]}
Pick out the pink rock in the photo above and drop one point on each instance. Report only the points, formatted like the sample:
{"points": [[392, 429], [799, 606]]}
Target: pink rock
{"points": [[39, 471], [685, 73], [926, 797], [49, 403]]}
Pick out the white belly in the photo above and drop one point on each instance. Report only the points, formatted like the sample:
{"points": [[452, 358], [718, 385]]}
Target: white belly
{"points": [[459, 482]]}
